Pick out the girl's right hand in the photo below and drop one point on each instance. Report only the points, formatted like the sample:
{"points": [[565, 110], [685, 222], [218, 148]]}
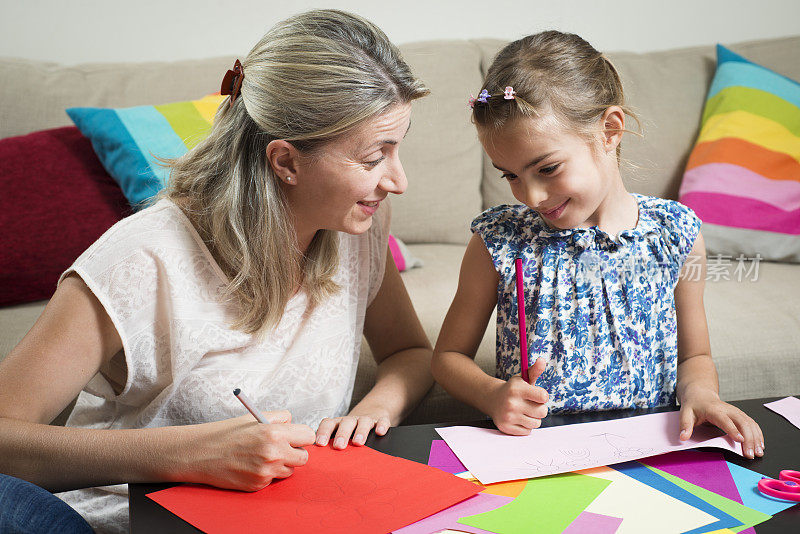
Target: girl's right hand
{"points": [[516, 406], [246, 455]]}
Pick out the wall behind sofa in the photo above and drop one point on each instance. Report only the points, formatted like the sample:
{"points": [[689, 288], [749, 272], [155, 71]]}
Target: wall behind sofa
{"points": [[80, 31]]}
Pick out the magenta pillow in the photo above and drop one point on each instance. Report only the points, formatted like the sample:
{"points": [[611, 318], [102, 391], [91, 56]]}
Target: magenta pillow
{"points": [[55, 200], [401, 255]]}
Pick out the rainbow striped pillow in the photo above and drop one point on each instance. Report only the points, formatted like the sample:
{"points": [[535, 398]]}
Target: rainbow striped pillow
{"points": [[128, 140], [743, 175]]}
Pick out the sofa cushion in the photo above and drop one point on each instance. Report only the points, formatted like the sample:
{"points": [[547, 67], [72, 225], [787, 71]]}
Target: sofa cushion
{"points": [[133, 142], [55, 200], [753, 313], [743, 175], [441, 155]]}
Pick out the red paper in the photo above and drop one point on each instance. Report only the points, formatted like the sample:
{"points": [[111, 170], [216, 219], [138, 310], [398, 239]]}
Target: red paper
{"points": [[352, 490]]}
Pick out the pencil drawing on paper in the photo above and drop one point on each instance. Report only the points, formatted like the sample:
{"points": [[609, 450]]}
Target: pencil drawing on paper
{"points": [[575, 458], [346, 501], [620, 445], [579, 458]]}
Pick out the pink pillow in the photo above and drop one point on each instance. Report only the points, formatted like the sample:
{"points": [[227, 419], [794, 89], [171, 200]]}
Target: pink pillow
{"points": [[401, 255]]}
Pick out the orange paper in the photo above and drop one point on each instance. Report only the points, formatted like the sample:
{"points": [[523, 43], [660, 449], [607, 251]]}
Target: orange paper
{"points": [[356, 489], [506, 489]]}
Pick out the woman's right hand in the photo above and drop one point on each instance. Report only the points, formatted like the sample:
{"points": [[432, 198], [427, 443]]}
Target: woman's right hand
{"points": [[246, 455], [516, 406]]}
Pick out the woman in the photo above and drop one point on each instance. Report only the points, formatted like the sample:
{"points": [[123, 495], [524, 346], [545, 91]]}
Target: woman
{"points": [[260, 267]]}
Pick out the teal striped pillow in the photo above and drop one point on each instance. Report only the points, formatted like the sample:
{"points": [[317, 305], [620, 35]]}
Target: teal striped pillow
{"points": [[128, 141]]}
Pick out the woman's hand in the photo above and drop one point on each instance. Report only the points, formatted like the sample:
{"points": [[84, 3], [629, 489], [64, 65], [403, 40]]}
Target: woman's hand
{"points": [[701, 405], [517, 407], [244, 454], [357, 426]]}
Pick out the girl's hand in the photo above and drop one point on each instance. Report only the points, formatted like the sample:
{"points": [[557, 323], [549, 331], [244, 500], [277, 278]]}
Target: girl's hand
{"points": [[354, 425], [700, 406], [517, 407], [244, 454]]}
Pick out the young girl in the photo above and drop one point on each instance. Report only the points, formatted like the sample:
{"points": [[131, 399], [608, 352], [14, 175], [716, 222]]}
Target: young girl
{"points": [[613, 321]]}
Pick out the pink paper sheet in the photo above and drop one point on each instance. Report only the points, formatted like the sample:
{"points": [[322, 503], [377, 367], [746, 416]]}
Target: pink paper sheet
{"points": [[443, 458], [788, 408], [492, 456], [448, 518], [589, 523]]}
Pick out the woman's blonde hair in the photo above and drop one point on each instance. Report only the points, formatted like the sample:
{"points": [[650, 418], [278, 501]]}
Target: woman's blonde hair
{"points": [[311, 79], [553, 74]]}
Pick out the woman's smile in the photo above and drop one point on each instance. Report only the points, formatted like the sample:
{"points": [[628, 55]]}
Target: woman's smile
{"points": [[369, 207]]}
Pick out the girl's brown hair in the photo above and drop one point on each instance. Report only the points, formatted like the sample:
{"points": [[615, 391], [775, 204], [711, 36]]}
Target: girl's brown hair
{"points": [[552, 73]]}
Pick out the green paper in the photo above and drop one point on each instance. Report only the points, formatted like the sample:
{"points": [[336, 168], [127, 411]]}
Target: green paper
{"points": [[545, 505], [746, 515]]}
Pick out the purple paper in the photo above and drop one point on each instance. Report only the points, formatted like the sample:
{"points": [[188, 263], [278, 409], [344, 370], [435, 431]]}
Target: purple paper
{"points": [[702, 468], [706, 469], [448, 518], [589, 523], [443, 458]]}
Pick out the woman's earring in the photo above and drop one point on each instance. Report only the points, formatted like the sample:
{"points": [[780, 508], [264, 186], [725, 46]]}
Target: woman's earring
{"points": [[288, 179]]}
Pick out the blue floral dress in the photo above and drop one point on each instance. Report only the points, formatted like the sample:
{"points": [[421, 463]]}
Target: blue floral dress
{"points": [[600, 310]]}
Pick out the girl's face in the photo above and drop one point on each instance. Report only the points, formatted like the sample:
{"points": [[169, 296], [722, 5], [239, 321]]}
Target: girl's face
{"points": [[553, 171], [341, 186]]}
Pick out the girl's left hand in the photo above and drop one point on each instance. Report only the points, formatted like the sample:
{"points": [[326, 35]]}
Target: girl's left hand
{"points": [[357, 426], [706, 406]]}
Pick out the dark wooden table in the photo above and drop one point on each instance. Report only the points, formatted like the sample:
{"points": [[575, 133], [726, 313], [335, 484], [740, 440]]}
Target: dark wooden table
{"points": [[414, 442]]}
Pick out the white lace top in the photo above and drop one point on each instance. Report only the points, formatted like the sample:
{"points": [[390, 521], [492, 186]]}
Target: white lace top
{"points": [[163, 291]]}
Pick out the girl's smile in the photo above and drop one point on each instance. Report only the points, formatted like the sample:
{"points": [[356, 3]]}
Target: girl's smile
{"points": [[554, 213], [571, 181]]}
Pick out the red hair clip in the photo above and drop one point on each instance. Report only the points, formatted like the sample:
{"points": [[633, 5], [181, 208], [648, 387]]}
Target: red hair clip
{"points": [[232, 82]]}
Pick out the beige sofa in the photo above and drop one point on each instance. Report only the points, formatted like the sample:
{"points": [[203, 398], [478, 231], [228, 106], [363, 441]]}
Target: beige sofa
{"points": [[754, 324]]}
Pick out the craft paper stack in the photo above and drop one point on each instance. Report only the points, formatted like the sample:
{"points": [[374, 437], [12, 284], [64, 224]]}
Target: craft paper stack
{"points": [[681, 491], [686, 491], [536, 483]]}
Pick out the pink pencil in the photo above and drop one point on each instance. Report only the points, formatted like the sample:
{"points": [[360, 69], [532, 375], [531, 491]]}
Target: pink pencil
{"points": [[523, 334]]}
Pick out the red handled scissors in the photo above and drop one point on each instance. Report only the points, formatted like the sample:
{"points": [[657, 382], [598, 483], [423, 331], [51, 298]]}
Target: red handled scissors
{"points": [[786, 487]]}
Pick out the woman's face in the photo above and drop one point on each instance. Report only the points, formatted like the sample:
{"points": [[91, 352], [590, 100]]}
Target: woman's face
{"points": [[341, 185]]}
